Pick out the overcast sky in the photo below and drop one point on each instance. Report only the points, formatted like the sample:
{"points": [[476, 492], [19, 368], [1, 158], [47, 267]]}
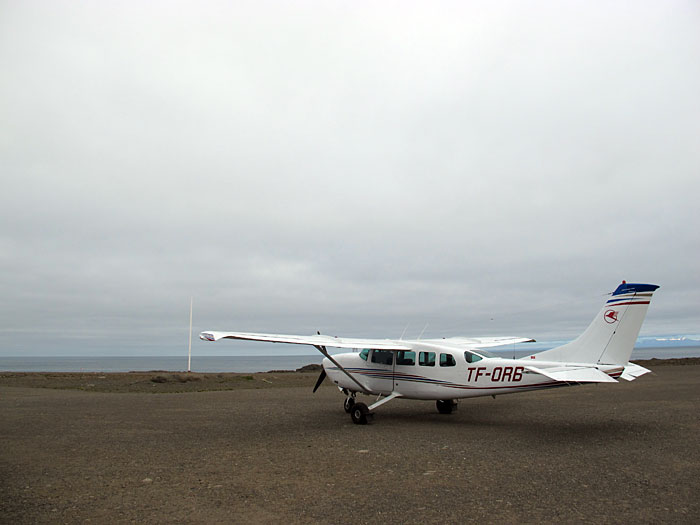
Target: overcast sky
{"points": [[488, 168]]}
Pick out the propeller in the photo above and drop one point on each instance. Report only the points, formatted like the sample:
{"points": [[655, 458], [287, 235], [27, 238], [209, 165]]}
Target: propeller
{"points": [[320, 379]]}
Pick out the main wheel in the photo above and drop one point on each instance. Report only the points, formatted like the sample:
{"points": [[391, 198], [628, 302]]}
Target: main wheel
{"points": [[445, 406], [348, 404], [359, 413]]}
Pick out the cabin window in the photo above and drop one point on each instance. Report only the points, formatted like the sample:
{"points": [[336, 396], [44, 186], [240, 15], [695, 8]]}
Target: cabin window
{"points": [[426, 359], [383, 357], [471, 358], [447, 360], [405, 357], [364, 354]]}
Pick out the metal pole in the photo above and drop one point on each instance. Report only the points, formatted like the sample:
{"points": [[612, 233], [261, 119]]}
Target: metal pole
{"points": [[189, 352]]}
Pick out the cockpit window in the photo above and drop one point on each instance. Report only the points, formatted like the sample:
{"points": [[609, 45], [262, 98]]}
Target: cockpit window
{"points": [[405, 357], [383, 357], [471, 358], [364, 354], [447, 360]]}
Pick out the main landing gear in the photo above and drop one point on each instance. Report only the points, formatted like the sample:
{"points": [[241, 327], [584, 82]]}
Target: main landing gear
{"points": [[446, 406], [360, 413]]}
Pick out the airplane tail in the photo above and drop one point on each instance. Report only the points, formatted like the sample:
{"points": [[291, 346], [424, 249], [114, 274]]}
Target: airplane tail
{"points": [[610, 338]]}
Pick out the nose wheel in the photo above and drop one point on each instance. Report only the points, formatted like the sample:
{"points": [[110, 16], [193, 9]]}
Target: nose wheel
{"points": [[348, 404]]}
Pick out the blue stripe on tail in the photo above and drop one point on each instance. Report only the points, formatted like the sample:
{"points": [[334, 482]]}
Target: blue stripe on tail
{"points": [[634, 288]]}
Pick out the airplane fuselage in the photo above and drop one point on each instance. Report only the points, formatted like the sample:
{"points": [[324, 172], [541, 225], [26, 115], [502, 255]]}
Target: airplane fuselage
{"points": [[436, 372]]}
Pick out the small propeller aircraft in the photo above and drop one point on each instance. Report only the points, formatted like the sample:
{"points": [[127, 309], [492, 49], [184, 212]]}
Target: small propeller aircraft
{"points": [[445, 370]]}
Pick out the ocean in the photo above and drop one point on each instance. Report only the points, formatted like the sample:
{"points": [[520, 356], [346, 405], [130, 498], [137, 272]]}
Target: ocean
{"points": [[236, 363], [146, 363]]}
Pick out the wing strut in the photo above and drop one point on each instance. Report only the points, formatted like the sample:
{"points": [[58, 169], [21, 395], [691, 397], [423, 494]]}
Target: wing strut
{"points": [[393, 395], [323, 350]]}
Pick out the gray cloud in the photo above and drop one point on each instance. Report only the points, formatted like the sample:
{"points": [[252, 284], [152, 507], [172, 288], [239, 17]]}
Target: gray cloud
{"points": [[485, 169]]}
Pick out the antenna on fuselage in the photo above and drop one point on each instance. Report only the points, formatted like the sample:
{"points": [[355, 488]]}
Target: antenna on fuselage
{"points": [[421, 332]]}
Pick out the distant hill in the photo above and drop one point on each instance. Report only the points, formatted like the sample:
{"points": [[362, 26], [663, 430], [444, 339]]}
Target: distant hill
{"points": [[666, 342]]}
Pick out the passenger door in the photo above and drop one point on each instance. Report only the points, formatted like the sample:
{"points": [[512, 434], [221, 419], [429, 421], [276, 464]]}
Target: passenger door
{"points": [[380, 374], [405, 371]]}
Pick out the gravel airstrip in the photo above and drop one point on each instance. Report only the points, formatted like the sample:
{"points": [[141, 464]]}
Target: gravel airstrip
{"points": [[261, 448]]}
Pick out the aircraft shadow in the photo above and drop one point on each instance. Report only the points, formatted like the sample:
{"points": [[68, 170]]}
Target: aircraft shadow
{"points": [[567, 427]]}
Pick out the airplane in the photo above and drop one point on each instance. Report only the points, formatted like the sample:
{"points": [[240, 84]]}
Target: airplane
{"points": [[454, 368]]}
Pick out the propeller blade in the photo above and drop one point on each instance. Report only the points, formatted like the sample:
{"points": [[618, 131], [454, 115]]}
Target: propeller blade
{"points": [[320, 379]]}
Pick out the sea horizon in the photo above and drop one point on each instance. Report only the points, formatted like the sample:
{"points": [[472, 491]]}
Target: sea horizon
{"points": [[238, 363]]}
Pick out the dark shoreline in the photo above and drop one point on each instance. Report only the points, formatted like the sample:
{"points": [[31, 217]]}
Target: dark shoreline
{"points": [[165, 382], [671, 361]]}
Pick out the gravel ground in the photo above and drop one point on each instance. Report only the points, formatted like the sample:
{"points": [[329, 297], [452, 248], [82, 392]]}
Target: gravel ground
{"points": [[271, 452]]}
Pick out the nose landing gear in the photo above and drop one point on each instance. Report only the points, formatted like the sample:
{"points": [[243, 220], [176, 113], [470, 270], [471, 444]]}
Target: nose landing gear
{"points": [[348, 404]]}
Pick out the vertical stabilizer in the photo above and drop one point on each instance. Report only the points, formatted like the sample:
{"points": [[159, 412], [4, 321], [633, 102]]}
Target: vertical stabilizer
{"points": [[610, 338]]}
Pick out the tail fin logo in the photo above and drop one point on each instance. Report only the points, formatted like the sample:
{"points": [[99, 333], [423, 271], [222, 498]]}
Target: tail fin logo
{"points": [[610, 316]]}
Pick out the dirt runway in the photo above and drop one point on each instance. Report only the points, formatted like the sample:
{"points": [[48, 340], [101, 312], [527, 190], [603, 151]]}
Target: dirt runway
{"points": [[626, 452]]}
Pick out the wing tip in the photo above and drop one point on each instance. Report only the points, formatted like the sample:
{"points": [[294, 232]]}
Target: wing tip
{"points": [[207, 336]]}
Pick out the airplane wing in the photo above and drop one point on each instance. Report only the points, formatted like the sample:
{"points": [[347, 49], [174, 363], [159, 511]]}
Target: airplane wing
{"points": [[574, 374], [313, 340], [486, 342]]}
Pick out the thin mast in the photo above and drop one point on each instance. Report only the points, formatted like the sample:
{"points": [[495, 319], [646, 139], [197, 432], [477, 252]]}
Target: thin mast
{"points": [[189, 351]]}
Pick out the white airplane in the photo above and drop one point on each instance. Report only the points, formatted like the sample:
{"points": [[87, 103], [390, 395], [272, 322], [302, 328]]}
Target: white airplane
{"points": [[458, 367]]}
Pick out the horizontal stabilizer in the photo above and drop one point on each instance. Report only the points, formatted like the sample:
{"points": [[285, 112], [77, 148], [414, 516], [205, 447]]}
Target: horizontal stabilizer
{"points": [[633, 371], [574, 374]]}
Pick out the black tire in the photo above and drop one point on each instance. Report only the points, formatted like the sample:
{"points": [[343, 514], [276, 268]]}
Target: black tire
{"points": [[348, 404], [445, 406], [359, 413]]}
